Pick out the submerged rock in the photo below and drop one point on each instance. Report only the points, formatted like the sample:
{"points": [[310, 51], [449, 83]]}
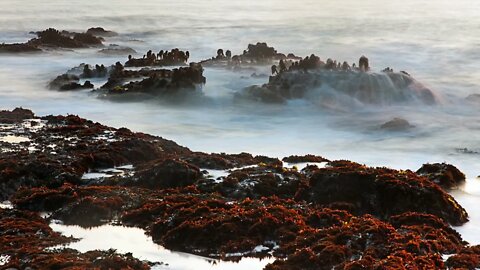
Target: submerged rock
{"points": [[397, 124], [381, 192], [367, 243], [117, 50], [61, 149], [473, 98], [467, 258], [445, 175]]}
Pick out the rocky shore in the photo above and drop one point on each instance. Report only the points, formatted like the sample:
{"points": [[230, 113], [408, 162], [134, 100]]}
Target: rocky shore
{"points": [[328, 214]]}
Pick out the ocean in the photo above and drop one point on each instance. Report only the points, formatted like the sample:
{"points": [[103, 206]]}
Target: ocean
{"points": [[436, 41]]}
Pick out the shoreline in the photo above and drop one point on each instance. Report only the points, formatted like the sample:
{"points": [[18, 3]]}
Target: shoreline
{"points": [[75, 169]]}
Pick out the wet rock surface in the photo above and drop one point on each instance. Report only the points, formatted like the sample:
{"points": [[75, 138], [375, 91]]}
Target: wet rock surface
{"points": [[168, 83], [100, 32], [342, 215], [445, 175], [162, 82], [381, 192], [174, 57], [255, 55]]}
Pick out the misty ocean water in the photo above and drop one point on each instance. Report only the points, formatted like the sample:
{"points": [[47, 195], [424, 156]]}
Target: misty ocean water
{"points": [[436, 41]]}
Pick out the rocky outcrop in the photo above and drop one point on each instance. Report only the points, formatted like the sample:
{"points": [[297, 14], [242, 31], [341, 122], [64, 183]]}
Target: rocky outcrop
{"points": [[18, 48], [379, 191], [445, 175], [304, 158], [167, 173], [332, 86], [54, 38], [163, 82], [255, 54], [17, 115], [24, 237], [117, 50]]}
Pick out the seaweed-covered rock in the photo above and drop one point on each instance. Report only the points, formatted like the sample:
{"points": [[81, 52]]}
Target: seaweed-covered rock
{"points": [[61, 149], [167, 173], [467, 258], [52, 38], [365, 243], [304, 158], [222, 161], [380, 191], [445, 175], [257, 182]]}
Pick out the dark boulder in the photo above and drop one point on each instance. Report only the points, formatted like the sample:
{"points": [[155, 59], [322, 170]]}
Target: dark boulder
{"points": [[167, 173], [445, 175]]}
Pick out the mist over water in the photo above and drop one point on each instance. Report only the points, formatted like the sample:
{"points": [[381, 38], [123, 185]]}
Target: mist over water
{"points": [[437, 42]]}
